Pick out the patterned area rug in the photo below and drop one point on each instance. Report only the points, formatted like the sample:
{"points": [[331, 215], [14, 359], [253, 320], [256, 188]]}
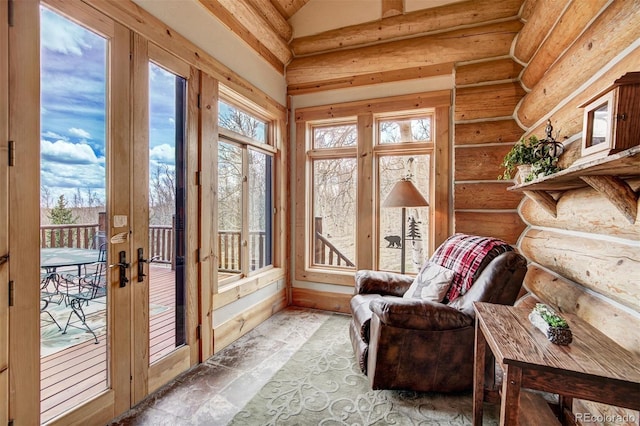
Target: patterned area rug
{"points": [[322, 385]]}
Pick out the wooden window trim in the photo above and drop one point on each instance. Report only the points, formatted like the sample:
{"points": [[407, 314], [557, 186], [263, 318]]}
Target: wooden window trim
{"points": [[367, 112]]}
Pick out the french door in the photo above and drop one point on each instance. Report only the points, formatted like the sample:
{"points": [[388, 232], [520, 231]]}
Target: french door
{"points": [[90, 338]]}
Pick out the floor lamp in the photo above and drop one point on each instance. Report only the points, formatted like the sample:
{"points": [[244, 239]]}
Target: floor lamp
{"points": [[404, 194]]}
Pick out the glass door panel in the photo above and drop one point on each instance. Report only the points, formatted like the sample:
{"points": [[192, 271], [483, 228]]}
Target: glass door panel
{"points": [[74, 295], [167, 201], [230, 184]]}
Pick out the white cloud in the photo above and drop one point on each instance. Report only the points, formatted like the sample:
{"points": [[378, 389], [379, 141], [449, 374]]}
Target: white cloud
{"points": [[163, 154], [63, 36], [80, 133], [52, 135], [68, 153]]}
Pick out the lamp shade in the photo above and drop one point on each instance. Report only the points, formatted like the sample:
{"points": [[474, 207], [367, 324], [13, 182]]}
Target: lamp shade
{"points": [[405, 194]]}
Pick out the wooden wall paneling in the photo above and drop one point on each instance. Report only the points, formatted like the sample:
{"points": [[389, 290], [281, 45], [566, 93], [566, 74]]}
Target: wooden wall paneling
{"points": [[208, 215], [479, 42], [573, 21], [608, 267], [491, 70], [24, 197], [485, 195], [415, 23], [495, 131], [371, 78], [231, 294], [479, 162], [326, 301], [542, 19], [592, 51], [501, 224], [243, 20], [156, 31], [621, 325], [4, 213], [247, 320], [568, 119], [487, 101]]}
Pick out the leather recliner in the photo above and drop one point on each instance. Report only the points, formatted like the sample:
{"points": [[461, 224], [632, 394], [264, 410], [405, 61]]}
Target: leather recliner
{"points": [[416, 344]]}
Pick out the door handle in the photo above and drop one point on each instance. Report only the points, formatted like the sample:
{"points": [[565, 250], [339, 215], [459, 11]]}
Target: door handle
{"points": [[122, 265], [141, 262]]}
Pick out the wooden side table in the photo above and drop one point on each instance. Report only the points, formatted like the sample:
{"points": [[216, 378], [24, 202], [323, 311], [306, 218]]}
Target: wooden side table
{"points": [[592, 367]]}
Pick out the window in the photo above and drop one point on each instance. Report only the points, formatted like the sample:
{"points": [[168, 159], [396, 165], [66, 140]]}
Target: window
{"points": [[350, 164], [245, 193]]}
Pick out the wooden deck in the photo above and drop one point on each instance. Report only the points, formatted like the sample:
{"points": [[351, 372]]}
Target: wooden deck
{"points": [[79, 372]]}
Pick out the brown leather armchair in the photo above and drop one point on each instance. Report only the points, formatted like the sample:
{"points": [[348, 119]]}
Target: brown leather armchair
{"points": [[420, 345]]}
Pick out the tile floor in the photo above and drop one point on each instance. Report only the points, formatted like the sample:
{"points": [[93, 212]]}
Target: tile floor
{"points": [[213, 392]]}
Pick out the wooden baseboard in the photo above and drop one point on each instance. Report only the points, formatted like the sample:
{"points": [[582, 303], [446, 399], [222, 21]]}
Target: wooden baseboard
{"points": [[326, 301]]}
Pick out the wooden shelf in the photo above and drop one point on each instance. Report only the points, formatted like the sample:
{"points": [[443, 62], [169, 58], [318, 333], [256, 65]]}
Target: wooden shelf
{"points": [[606, 175]]}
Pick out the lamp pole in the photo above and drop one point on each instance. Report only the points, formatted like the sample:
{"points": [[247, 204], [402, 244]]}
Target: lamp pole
{"points": [[404, 233]]}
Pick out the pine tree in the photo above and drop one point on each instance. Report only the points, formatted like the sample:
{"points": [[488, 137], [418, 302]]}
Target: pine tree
{"points": [[414, 231], [60, 214]]}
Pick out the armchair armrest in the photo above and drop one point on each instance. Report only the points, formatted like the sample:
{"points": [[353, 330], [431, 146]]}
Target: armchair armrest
{"points": [[384, 283], [418, 314]]}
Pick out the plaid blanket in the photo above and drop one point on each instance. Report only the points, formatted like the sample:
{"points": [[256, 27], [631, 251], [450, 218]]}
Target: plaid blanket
{"points": [[464, 254]]}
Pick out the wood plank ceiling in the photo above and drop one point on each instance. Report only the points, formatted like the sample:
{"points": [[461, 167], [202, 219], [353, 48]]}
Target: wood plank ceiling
{"points": [[400, 45]]}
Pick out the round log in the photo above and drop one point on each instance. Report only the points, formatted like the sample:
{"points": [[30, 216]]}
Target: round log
{"points": [[608, 267], [620, 325], [544, 16], [583, 210], [591, 52]]}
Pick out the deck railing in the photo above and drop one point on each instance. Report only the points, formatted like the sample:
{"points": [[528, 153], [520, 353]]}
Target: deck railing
{"points": [[160, 243], [324, 252]]}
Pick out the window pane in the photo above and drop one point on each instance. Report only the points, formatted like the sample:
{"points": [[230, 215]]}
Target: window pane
{"points": [[229, 208], [390, 170], [417, 129], [260, 210], [335, 136], [232, 118], [334, 212]]}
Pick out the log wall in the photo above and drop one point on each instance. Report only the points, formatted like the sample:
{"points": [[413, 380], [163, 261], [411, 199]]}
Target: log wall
{"points": [[586, 260], [486, 95]]}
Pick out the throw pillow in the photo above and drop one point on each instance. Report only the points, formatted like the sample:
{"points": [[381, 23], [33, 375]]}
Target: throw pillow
{"points": [[431, 283]]}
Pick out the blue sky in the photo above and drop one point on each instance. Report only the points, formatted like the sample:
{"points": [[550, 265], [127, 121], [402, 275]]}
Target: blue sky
{"points": [[73, 109]]}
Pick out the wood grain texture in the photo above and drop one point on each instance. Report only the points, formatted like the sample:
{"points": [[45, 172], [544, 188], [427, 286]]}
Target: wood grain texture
{"points": [[492, 70], [272, 16], [487, 101], [452, 46], [372, 78], [618, 193], [485, 195], [544, 200], [540, 22], [606, 267], [573, 21], [415, 23], [584, 210], [289, 7], [231, 330], [503, 225], [392, 8], [248, 24], [326, 301], [622, 326], [479, 163], [568, 119], [495, 131], [4, 217], [598, 45]]}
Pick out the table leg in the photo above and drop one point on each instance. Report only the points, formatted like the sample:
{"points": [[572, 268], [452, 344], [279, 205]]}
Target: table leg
{"points": [[510, 405], [478, 375]]}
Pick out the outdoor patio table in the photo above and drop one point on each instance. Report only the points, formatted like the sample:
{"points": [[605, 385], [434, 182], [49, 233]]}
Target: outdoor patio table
{"points": [[53, 258]]}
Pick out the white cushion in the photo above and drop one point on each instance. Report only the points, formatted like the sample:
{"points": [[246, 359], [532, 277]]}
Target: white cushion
{"points": [[431, 283]]}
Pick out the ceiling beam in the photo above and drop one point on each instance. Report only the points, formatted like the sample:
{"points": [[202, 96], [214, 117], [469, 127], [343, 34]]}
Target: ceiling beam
{"points": [[392, 8], [443, 18], [242, 19], [273, 17], [480, 42], [288, 8]]}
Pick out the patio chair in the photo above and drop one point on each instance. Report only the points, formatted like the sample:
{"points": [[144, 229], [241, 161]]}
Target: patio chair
{"points": [[80, 290], [44, 304]]}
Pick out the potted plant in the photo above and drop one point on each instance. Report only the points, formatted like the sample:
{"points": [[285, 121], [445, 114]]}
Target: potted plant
{"points": [[551, 324], [522, 153]]}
